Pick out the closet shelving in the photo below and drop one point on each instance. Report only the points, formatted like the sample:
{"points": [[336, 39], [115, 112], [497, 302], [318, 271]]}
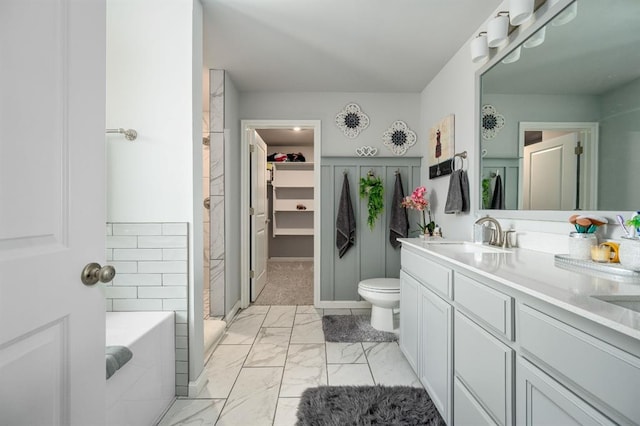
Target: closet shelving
{"points": [[293, 205]]}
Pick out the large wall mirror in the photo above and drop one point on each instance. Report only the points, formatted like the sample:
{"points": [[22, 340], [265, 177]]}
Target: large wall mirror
{"points": [[561, 123]]}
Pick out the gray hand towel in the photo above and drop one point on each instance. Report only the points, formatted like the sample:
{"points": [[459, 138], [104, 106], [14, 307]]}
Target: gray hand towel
{"points": [[455, 196], [497, 202], [345, 221], [112, 365], [464, 186], [116, 358], [399, 224]]}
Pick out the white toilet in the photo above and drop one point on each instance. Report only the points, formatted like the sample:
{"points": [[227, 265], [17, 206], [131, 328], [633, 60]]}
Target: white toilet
{"points": [[384, 296]]}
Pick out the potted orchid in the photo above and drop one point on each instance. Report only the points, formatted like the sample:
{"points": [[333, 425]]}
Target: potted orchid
{"points": [[417, 201]]}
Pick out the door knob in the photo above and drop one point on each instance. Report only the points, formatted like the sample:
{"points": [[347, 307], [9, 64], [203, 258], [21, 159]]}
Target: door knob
{"points": [[93, 272]]}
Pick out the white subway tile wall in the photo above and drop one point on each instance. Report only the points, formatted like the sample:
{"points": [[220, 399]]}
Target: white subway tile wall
{"points": [[151, 275]]}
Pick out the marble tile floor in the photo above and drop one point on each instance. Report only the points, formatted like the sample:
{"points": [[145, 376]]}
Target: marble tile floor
{"points": [[269, 355]]}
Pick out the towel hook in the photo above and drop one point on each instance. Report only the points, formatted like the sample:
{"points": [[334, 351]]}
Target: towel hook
{"points": [[129, 134]]}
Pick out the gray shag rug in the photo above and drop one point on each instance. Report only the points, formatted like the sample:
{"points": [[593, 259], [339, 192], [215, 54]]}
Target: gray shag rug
{"points": [[367, 405], [353, 328]]}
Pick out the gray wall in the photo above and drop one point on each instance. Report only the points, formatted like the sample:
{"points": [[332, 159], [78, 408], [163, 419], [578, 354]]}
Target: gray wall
{"points": [[382, 108], [372, 255], [502, 151], [517, 108], [620, 147], [618, 113], [508, 169]]}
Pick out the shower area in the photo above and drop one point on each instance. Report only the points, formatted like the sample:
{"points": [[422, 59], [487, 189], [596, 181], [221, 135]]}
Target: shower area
{"points": [[213, 263]]}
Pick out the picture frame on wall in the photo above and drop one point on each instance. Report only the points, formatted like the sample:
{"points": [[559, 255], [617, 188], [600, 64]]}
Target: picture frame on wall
{"points": [[441, 147]]}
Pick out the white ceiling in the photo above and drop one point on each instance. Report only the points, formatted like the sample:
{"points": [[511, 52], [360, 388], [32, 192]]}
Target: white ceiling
{"points": [[286, 137], [337, 45]]}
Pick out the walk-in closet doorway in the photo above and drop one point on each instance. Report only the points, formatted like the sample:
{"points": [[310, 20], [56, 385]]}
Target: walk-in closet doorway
{"points": [[280, 233]]}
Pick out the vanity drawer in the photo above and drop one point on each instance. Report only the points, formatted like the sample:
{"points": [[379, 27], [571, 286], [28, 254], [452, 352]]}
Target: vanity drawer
{"points": [[607, 373], [467, 411], [485, 366], [493, 308], [437, 277]]}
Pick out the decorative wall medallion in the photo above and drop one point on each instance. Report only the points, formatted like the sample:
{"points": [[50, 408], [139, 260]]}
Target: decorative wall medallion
{"points": [[352, 121], [492, 122], [398, 138], [366, 151]]}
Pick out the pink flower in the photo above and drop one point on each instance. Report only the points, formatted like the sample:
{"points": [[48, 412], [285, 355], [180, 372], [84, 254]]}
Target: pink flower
{"points": [[416, 200]]}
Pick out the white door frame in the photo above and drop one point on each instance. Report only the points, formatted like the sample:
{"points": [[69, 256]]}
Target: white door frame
{"points": [[589, 132], [251, 125], [259, 224]]}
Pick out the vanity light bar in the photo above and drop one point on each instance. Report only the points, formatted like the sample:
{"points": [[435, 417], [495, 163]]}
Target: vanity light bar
{"points": [[497, 32]]}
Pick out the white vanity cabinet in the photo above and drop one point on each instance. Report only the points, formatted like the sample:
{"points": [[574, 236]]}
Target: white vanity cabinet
{"points": [[435, 351], [484, 368], [543, 401], [426, 318], [409, 319], [490, 354], [483, 364], [595, 370]]}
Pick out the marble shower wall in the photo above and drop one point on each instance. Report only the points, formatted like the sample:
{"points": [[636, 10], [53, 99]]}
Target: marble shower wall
{"points": [[206, 225], [216, 191]]}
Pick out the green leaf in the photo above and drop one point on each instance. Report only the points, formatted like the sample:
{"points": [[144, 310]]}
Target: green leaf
{"points": [[372, 188]]}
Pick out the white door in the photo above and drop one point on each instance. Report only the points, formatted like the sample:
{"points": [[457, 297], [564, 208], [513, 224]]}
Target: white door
{"points": [[259, 216], [52, 211], [550, 174]]}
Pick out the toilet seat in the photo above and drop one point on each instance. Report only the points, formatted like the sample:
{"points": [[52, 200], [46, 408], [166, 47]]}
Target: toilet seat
{"points": [[381, 285]]}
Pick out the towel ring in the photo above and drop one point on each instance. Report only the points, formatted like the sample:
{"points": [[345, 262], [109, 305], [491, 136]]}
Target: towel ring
{"points": [[462, 156], [453, 163]]}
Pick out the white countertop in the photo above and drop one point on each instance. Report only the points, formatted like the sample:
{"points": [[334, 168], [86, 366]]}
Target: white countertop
{"points": [[537, 274]]}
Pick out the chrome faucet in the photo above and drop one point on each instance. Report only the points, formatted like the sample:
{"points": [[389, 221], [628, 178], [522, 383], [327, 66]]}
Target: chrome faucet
{"points": [[496, 233]]}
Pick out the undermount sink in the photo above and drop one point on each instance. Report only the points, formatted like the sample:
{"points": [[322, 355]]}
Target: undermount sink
{"points": [[627, 302], [466, 246]]}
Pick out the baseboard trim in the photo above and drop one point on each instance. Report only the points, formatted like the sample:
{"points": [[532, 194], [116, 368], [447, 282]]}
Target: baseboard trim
{"points": [[218, 335], [232, 313], [343, 304], [196, 386]]}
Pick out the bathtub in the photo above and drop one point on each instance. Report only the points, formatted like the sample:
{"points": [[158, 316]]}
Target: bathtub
{"points": [[140, 392]]}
